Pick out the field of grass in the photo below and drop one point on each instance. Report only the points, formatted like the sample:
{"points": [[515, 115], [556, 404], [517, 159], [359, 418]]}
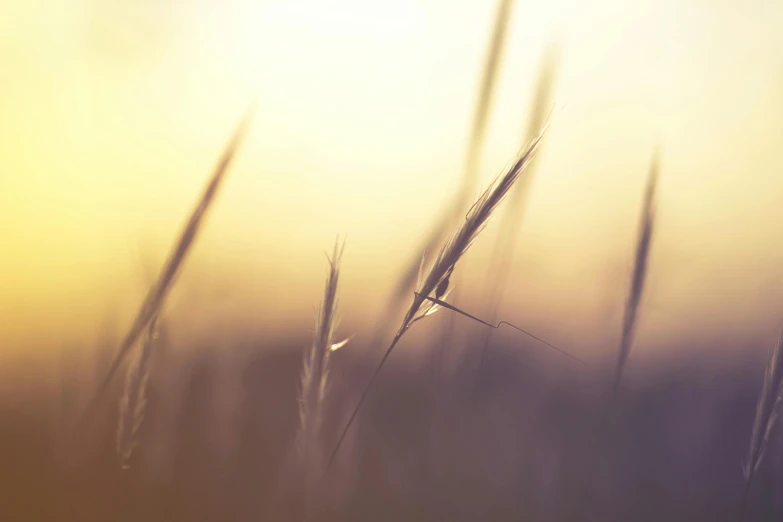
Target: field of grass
{"points": [[491, 421], [515, 452]]}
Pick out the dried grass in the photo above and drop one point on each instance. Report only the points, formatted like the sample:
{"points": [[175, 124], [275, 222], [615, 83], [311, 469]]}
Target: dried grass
{"points": [[470, 172], [315, 377], [767, 411], [641, 259], [157, 294], [437, 278], [133, 403]]}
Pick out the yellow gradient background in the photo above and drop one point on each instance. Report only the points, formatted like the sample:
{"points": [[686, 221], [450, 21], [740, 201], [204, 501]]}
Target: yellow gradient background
{"points": [[112, 114]]}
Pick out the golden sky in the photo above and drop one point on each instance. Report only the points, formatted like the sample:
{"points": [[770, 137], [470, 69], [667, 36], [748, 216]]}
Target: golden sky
{"points": [[112, 114]]}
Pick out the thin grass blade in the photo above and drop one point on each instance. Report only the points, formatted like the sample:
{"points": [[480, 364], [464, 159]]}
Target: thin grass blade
{"points": [[767, 412], [133, 404], [444, 264], [314, 382], [641, 260], [456, 208], [157, 293]]}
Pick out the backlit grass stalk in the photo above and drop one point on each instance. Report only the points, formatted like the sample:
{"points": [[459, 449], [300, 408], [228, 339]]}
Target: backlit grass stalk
{"points": [[638, 277], [456, 208], [157, 293], [767, 411], [133, 403], [437, 278], [314, 380], [472, 167]]}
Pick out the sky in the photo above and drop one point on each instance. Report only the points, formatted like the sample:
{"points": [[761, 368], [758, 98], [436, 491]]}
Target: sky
{"points": [[114, 112]]}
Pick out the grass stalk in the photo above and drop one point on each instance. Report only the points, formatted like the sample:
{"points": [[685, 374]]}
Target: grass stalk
{"points": [[456, 208], [314, 380], [767, 411], [641, 261], [437, 279], [631, 311], [153, 303], [133, 404]]}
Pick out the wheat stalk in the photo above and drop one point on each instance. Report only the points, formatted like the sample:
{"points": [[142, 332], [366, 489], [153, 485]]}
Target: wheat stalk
{"points": [[767, 410], [478, 129], [639, 275], [314, 377], [491, 67], [157, 293], [133, 403], [633, 299], [316, 363], [486, 94], [437, 279]]}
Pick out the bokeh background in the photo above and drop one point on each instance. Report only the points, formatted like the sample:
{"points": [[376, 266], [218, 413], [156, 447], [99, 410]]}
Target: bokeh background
{"points": [[113, 113]]}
